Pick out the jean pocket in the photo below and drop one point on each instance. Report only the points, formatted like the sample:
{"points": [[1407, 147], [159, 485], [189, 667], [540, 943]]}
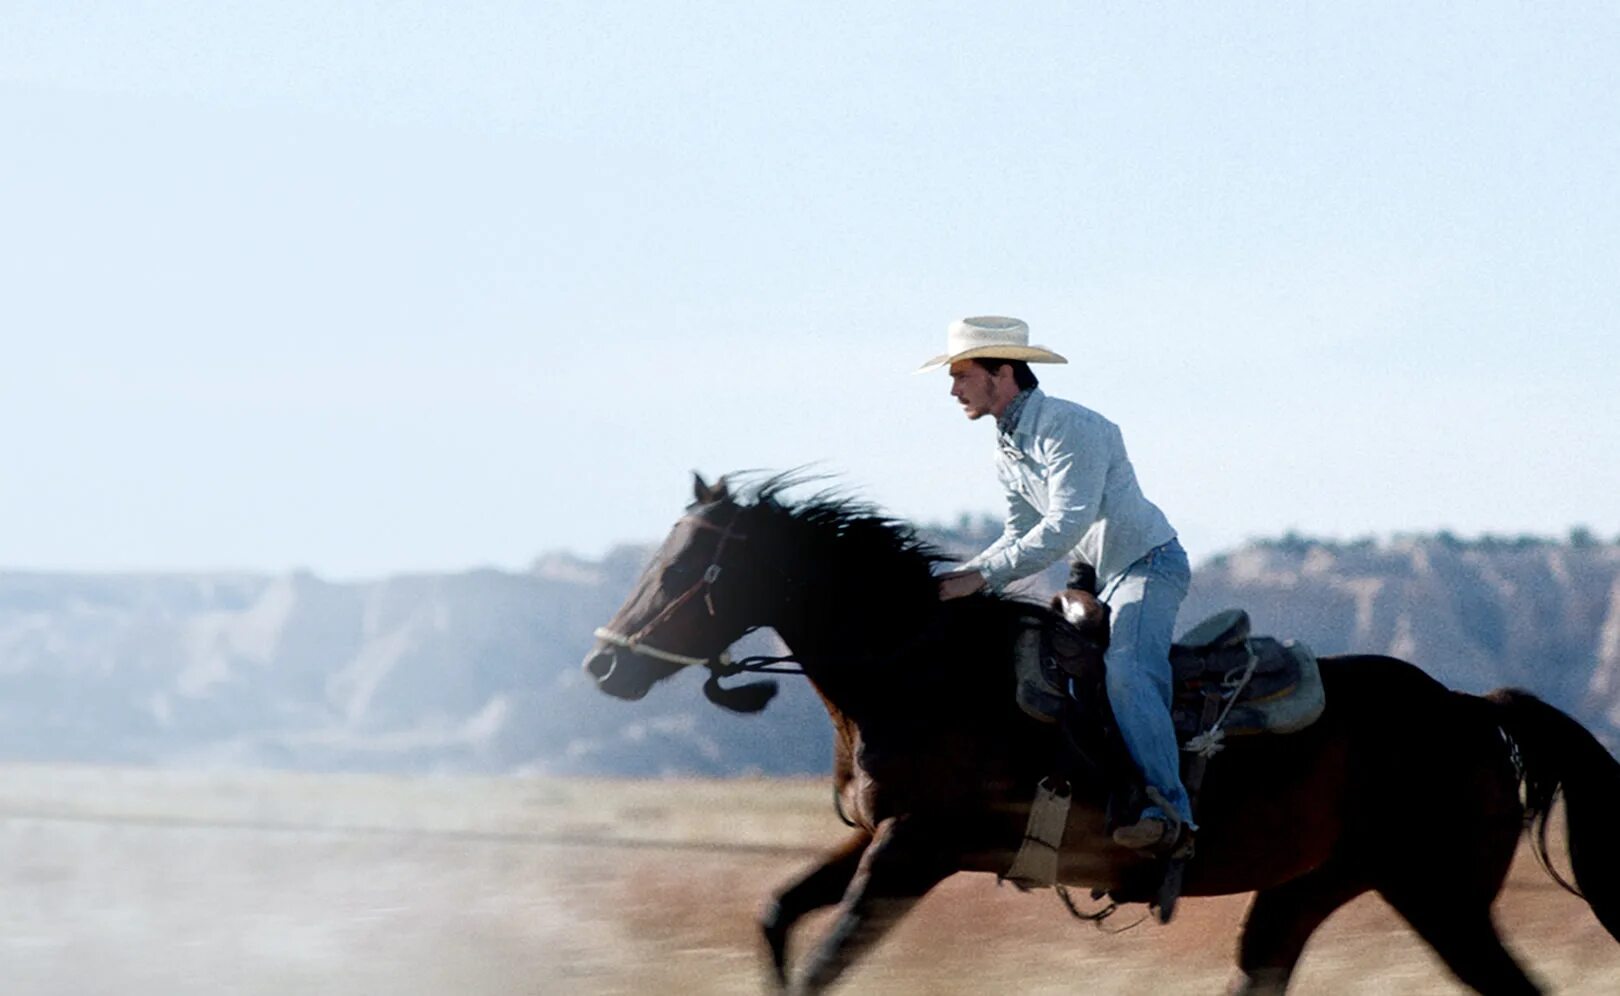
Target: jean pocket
{"points": [[1170, 560]]}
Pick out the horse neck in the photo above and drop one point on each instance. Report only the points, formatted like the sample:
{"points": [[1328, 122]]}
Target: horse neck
{"points": [[846, 624], [843, 654], [871, 666], [942, 690]]}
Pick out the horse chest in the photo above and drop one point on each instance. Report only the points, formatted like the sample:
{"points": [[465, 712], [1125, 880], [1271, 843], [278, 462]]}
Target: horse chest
{"points": [[881, 781], [886, 780]]}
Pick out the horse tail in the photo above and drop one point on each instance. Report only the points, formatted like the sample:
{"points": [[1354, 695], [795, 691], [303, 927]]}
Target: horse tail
{"points": [[1558, 755]]}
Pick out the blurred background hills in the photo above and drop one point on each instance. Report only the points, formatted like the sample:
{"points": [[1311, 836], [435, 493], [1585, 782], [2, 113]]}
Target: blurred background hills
{"points": [[479, 671]]}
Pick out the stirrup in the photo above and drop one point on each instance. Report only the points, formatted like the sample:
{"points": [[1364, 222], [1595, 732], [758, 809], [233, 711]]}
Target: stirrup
{"points": [[1153, 834], [1160, 836]]}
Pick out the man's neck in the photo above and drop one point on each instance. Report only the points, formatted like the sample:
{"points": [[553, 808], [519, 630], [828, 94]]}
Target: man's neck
{"points": [[1007, 417]]}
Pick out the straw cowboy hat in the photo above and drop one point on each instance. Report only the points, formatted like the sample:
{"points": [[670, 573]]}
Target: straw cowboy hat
{"points": [[990, 337]]}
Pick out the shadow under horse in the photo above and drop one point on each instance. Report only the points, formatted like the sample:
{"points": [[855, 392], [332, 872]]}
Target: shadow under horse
{"points": [[1402, 787]]}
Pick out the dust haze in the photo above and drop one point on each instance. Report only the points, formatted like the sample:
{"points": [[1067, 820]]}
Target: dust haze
{"points": [[154, 883]]}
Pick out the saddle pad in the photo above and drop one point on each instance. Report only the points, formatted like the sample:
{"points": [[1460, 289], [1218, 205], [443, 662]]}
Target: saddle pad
{"points": [[1197, 671]]}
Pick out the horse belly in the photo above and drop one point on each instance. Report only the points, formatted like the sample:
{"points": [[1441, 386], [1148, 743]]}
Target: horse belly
{"points": [[1272, 808]]}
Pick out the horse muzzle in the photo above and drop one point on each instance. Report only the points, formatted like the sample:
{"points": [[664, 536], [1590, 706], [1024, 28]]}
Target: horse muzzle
{"points": [[607, 670]]}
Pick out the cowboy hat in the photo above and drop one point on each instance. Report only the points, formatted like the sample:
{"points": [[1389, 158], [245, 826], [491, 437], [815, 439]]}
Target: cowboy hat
{"points": [[990, 337]]}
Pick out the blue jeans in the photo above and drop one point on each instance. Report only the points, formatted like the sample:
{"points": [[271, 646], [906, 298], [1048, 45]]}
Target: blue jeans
{"points": [[1144, 601]]}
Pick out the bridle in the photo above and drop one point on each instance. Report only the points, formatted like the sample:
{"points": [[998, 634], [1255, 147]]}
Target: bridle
{"points": [[637, 643], [747, 697]]}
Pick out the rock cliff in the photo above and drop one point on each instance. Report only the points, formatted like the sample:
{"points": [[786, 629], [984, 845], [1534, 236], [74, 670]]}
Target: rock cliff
{"points": [[478, 671]]}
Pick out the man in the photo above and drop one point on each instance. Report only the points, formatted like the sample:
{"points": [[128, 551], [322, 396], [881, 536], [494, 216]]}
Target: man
{"points": [[1071, 490]]}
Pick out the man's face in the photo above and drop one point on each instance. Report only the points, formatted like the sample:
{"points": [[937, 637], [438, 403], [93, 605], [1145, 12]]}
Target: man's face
{"points": [[978, 392]]}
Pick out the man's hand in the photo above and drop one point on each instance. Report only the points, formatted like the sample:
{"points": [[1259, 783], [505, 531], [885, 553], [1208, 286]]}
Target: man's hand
{"points": [[958, 583]]}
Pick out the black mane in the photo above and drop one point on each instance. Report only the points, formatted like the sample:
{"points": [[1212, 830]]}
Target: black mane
{"points": [[876, 576], [864, 533]]}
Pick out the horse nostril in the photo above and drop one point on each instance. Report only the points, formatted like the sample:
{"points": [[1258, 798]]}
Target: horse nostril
{"points": [[599, 665]]}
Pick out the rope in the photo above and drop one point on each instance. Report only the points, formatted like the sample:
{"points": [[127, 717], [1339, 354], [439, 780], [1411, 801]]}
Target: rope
{"points": [[1211, 742]]}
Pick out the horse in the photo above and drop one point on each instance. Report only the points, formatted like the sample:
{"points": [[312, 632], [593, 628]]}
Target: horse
{"points": [[1403, 787]]}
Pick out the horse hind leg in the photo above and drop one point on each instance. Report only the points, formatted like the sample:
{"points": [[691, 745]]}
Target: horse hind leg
{"points": [[1446, 893], [1462, 933], [821, 885], [1281, 919]]}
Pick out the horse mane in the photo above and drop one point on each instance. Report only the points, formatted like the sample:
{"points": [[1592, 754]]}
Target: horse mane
{"points": [[878, 570], [862, 531]]}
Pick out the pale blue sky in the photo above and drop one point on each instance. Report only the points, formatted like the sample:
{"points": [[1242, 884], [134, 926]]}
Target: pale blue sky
{"points": [[379, 287]]}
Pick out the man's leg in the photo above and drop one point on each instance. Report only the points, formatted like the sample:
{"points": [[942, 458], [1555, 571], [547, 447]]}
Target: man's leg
{"points": [[1144, 601]]}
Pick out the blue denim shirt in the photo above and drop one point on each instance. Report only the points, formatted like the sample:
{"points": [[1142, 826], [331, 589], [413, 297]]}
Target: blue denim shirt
{"points": [[1070, 489]]}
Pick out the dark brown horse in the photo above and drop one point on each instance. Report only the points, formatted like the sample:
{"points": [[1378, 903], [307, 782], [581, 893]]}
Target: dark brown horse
{"points": [[1403, 787]]}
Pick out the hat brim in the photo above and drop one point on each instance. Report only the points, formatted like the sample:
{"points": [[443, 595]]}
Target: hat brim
{"points": [[1029, 354]]}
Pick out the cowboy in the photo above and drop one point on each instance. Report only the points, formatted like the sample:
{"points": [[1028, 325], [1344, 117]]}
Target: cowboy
{"points": [[1071, 490]]}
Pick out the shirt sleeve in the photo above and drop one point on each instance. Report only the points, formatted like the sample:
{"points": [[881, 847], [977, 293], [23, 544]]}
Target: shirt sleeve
{"points": [[1075, 476], [1021, 518]]}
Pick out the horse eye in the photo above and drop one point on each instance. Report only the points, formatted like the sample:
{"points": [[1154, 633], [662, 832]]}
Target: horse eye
{"points": [[676, 573]]}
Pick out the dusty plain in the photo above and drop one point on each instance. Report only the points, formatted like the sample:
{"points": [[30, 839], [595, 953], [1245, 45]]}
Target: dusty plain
{"points": [[157, 883]]}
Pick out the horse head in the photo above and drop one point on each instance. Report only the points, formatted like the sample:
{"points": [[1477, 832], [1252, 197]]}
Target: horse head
{"points": [[699, 595]]}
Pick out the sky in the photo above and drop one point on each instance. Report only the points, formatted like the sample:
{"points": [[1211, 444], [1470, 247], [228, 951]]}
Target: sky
{"points": [[365, 288]]}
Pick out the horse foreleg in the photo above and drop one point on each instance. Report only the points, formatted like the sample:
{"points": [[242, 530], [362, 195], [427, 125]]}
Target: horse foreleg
{"points": [[902, 863], [821, 885], [1281, 919]]}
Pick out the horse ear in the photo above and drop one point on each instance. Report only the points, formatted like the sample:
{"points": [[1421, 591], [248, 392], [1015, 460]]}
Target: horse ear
{"points": [[705, 494]]}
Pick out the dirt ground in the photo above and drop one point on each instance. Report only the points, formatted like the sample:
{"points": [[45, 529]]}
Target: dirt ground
{"points": [[146, 883]]}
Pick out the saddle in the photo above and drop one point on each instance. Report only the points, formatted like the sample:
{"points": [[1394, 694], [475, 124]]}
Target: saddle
{"points": [[1226, 682], [1224, 677]]}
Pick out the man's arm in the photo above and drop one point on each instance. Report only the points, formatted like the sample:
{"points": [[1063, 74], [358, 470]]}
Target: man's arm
{"points": [[956, 584], [1074, 487], [970, 577], [1021, 518]]}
